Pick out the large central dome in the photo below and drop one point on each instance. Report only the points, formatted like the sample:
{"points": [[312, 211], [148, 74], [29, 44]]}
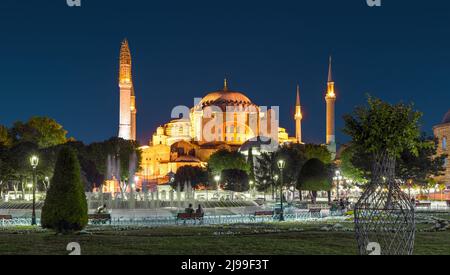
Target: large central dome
{"points": [[225, 97]]}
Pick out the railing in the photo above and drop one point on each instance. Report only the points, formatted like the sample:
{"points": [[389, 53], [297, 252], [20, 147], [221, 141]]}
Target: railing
{"points": [[207, 220], [218, 220], [17, 222]]}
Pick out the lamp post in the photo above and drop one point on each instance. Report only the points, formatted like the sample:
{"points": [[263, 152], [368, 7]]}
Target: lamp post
{"points": [[281, 166], [34, 161]]}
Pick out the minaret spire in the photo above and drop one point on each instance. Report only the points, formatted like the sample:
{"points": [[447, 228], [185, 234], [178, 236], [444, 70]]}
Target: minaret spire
{"points": [[127, 124], [330, 99], [225, 84], [330, 70], [298, 118]]}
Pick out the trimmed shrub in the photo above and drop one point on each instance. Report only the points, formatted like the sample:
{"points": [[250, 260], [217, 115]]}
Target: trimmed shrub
{"points": [[65, 207]]}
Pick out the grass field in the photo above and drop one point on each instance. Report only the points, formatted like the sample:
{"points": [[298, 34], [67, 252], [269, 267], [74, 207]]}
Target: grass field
{"points": [[268, 239]]}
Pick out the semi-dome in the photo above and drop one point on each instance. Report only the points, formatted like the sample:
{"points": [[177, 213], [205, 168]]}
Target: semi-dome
{"points": [[446, 118]]}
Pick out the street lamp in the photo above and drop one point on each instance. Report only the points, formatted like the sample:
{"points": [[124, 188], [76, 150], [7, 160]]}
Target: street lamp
{"points": [[281, 166], [34, 161]]}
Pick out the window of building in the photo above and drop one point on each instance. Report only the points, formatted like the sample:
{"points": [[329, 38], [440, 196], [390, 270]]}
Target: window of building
{"points": [[444, 143]]}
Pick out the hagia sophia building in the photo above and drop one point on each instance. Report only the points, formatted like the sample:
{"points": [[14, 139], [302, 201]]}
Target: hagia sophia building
{"points": [[223, 119]]}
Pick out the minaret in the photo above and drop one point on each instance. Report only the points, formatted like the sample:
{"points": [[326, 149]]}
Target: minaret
{"points": [[331, 101], [298, 118], [127, 126]]}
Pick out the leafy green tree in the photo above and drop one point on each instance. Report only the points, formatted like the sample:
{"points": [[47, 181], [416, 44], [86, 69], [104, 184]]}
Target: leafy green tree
{"points": [[192, 174], [320, 152], [43, 131], [425, 165], [65, 207], [314, 177], [235, 180], [382, 127], [385, 132], [5, 137], [357, 172], [294, 157], [224, 160], [251, 164], [265, 172], [393, 129]]}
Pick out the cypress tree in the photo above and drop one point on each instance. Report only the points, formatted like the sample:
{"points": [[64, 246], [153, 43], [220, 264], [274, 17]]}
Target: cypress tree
{"points": [[65, 207], [251, 164]]}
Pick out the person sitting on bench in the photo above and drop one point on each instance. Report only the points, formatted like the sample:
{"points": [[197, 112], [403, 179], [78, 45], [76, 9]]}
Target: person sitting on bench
{"points": [[101, 209], [189, 210], [200, 211]]}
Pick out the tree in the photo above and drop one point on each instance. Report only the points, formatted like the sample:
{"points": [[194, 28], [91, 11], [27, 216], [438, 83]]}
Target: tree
{"points": [[384, 128], [352, 167], [126, 151], [320, 152], [265, 172], [314, 176], [422, 167], [251, 164], [384, 131], [42, 131], [5, 138], [224, 160], [65, 207], [236, 180], [192, 174], [393, 129]]}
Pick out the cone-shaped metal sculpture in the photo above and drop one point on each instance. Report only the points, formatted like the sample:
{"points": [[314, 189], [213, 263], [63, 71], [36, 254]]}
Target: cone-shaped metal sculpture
{"points": [[384, 214]]}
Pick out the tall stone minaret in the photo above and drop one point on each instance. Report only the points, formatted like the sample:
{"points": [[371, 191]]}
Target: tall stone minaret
{"points": [[298, 118], [331, 101], [127, 124]]}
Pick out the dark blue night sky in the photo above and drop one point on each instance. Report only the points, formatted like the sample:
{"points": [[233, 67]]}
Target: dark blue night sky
{"points": [[63, 62]]}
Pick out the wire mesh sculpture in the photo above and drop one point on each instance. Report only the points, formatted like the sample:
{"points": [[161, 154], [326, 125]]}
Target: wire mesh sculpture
{"points": [[385, 214]]}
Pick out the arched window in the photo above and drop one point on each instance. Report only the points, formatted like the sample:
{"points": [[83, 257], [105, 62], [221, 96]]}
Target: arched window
{"points": [[444, 143]]}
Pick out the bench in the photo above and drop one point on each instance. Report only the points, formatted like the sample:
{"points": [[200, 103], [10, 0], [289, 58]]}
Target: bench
{"points": [[6, 217], [100, 218], [424, 204], [264, 213], [315, 212], [189, 217]]}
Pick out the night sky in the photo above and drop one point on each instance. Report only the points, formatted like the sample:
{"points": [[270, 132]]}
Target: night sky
{"points": [[63, 62]]}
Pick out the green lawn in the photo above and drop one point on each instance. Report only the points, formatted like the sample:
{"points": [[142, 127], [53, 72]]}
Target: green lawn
{"points": [[269, 239]]}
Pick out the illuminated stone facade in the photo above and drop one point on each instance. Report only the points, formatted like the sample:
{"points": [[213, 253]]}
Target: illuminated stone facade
{"points": [[442, 132], [223, 119]]}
